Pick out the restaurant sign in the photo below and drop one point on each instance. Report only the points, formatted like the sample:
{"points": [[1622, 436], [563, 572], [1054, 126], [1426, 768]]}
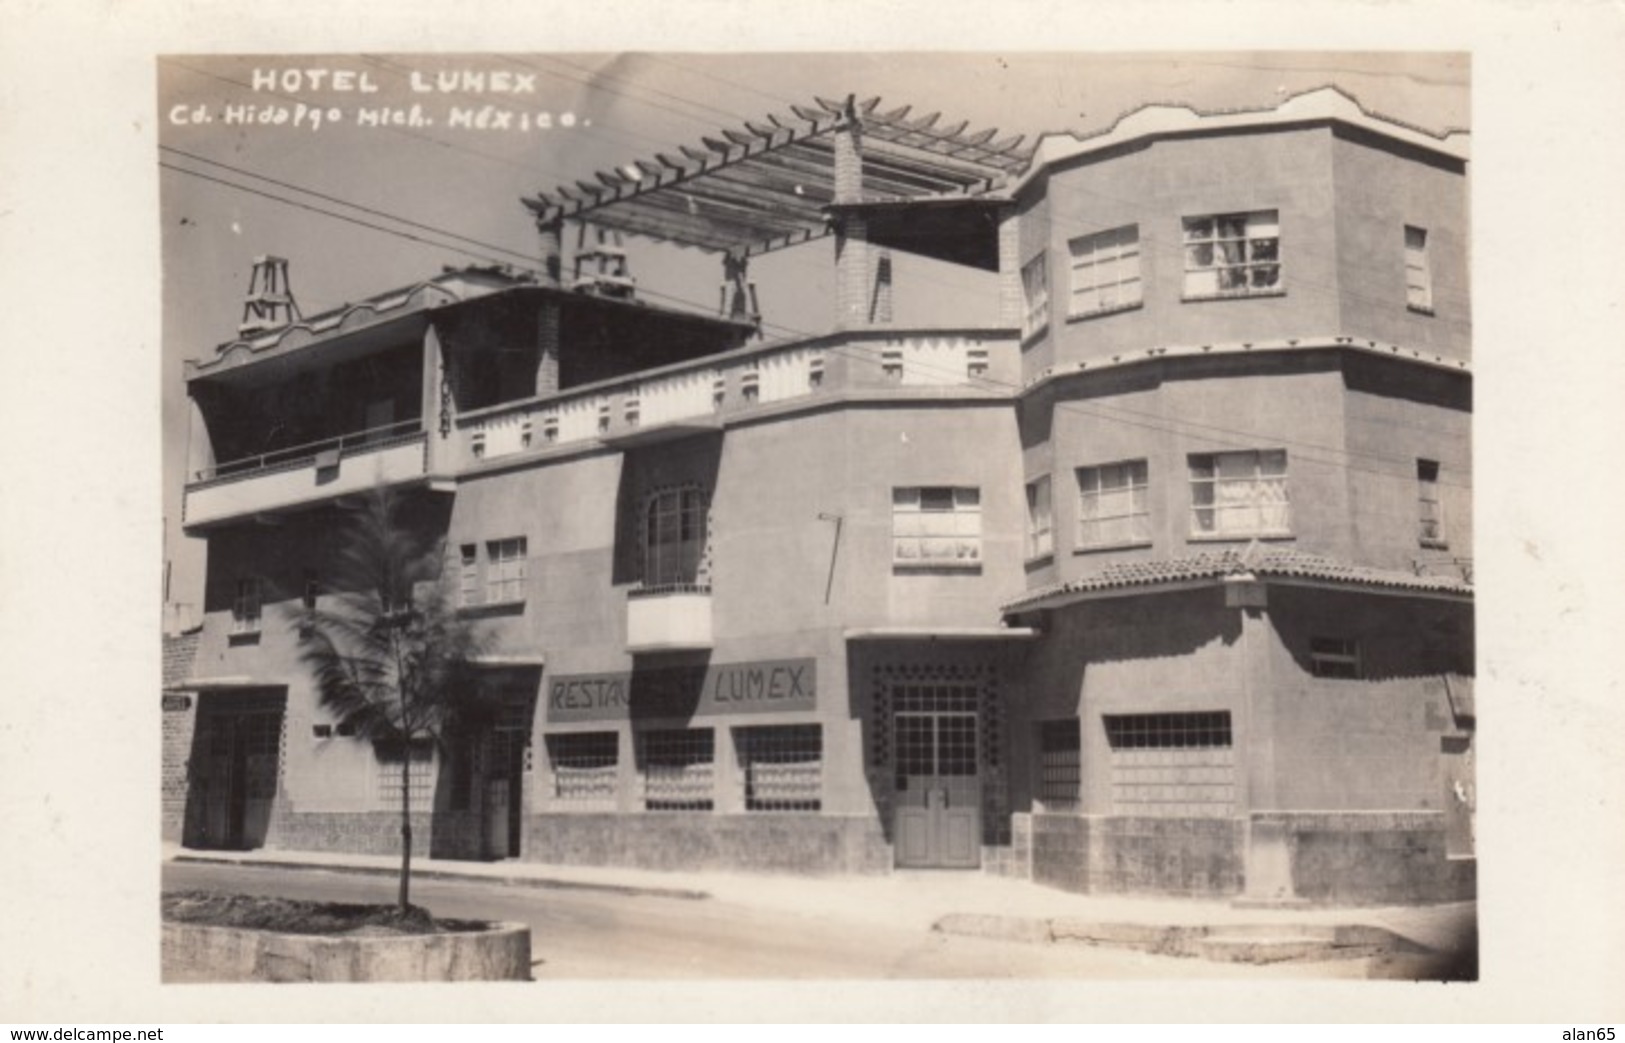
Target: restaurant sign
{"points": [[769, 686]]}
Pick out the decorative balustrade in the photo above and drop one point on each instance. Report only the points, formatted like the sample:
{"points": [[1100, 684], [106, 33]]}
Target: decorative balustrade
{"points": [[707, 390]]}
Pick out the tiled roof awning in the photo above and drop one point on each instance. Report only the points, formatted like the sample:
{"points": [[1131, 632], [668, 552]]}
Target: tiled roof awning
{"points": [[768, 185], [1255, 562]]}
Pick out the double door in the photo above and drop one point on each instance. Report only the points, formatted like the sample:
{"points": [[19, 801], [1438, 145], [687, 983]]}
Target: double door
{"points": [[938, 786]]}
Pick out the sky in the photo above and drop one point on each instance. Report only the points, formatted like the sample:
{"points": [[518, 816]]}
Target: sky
{"points": [[373, 171]]}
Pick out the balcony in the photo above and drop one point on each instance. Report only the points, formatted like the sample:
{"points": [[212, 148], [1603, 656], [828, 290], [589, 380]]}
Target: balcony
{"points": [[708, 394], [306, 475], [672, 618]]}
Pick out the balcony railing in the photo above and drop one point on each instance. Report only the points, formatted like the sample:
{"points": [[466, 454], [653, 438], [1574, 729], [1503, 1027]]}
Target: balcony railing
{"points": [[303, 475], [297, 456], [702, 394]]}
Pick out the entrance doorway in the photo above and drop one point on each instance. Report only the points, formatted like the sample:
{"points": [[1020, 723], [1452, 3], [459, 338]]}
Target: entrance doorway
{"points": [[938, 785], [507, 748], [233, 771]]}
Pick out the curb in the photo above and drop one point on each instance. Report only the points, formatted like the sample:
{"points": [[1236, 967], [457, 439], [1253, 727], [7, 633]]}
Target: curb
{"points": [[450, 876], [1228, 943]]}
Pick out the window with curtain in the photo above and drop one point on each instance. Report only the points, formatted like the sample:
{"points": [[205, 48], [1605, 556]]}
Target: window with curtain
{"points": [[1040, 524], [1430, 510], [505, 570], [1035, 296], [1232, 255], [1105, 271], [674, 536], [245, 607], [1240, 494], [1113, 509], [936, 525]]}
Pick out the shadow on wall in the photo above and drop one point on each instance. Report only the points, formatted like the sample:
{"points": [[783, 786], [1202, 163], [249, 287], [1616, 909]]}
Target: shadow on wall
{"points": [[1396, 640]]}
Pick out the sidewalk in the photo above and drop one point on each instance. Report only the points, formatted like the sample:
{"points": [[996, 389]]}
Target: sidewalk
{"points": [[965, 903]]}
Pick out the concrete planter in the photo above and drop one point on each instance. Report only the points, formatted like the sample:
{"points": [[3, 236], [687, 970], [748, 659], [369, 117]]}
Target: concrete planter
{"points": [[196, 953]]}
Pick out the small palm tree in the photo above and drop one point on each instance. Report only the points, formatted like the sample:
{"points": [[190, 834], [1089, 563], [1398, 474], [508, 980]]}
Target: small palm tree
{"points": [[389, 655]]}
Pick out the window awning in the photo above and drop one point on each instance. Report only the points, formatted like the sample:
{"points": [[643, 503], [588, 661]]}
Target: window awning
{"points": [[771, 184]]}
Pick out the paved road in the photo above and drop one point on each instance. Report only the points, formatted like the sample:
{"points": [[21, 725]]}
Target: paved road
{"points": [[593, 934]]}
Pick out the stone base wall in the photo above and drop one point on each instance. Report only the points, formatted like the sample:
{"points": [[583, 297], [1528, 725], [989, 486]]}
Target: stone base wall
{"points": [[768, 843], [437, 835], [1014, 860], [1130, 855], [1370, 858], [179, 724]]}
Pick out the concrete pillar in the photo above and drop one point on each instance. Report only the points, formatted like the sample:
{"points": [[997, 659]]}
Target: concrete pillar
{"points": [[552, 235], [1010, 302], [547, 348]]}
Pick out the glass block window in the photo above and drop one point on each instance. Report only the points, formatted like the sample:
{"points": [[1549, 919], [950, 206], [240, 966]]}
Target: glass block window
{"points": [[245, 607], [1040, 519], [1138, 731], [1232, 254], [674, 536], [1113, 504], [1240, 494], [1034, 295], [936, 526], [1418, 278], [391, 764], [1334, 657], [1105, 271], [505, 570], [1060, 745], [783, 767], [1430, 511], [1172, 765], [678, 769], [585, 768]]}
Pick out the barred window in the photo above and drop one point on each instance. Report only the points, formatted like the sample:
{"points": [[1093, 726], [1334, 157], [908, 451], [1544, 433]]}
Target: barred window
{"points": [[1240, 494], [391, 763], [1040, 519], [783, 767], [674, 537], [585, 767], [1059, 750], [1113, 508], [1232, 255], [505, 570], [245, 607], [936, 526], [1158, 731], [1105, 271], [1334, 657], [678, 769]]}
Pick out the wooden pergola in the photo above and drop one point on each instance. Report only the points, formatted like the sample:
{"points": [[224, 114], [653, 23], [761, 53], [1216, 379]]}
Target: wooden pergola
{"points": [[784, 181]]}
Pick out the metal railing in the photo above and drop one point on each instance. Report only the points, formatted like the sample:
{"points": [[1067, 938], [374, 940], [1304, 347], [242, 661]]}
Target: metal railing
{"points": [[294, 457]]}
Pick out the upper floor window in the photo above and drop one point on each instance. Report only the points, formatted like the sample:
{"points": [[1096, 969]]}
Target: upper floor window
{"points": [[1105, 271], [1418, 278], [1335, 657], [674, 536], [1231, 255], [1240, 494], [1040, 524], [245, 607], [505, 570], [1112, 505], [1430, 511], [1035, 296], [936, 525]]}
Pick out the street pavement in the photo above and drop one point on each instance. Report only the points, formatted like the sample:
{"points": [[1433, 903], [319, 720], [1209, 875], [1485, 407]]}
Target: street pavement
{"points": [[621, 923]]}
